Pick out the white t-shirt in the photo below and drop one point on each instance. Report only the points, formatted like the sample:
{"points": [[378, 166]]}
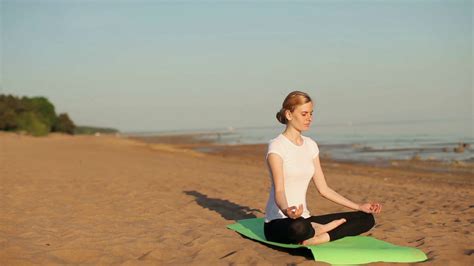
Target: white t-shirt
{"points": [[298, 169]]}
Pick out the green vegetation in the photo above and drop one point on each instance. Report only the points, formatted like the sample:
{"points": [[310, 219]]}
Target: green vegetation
{"points": [[36, 116]]}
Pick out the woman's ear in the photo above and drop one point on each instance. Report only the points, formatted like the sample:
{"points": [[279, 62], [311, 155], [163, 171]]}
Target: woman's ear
{"points": [[288, 115]]}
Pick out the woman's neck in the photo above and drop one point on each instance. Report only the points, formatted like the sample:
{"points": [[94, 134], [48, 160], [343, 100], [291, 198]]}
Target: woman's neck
{"points": [[293, 134]]}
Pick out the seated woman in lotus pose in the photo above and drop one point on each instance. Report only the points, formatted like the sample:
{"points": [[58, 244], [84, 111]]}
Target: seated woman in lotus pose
{"points": [[293, 160]]}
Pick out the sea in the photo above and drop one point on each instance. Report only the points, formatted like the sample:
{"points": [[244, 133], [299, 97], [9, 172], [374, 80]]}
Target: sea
{"points": [[440, 140]]}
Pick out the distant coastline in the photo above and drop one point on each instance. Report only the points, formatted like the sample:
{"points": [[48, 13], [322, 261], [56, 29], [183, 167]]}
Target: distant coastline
{"points": [[90, 130]]}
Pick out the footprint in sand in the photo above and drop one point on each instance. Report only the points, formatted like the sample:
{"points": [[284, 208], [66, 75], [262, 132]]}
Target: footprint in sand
{"points": [[420, 244], [417, 240]]}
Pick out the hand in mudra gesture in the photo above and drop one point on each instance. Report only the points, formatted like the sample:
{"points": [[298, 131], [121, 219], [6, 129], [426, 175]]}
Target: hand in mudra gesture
{"points": [[375, 208], [293, 212]]}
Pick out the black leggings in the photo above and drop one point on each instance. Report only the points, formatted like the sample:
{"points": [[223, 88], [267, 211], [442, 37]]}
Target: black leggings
{"points": [[294, 231]]}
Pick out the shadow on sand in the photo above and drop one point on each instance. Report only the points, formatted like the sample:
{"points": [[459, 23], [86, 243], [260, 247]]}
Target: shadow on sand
{"points": [[227, 209], [232, 211]]}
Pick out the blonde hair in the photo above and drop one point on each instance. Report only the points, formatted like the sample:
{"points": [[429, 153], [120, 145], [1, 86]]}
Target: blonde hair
{"points": [[292, 100]]}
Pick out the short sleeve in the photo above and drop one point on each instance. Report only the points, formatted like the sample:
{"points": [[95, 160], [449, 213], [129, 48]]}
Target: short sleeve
{"points": [[315, 148], [276, 148]]}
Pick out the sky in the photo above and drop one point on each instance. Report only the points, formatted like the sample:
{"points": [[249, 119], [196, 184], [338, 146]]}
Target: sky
{"points": [[181, 65]]}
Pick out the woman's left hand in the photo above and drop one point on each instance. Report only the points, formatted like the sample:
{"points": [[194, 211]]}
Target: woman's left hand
{"points": [[375, 208]]}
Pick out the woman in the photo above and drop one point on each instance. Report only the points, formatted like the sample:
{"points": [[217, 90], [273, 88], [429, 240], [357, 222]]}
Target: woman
{"points": [[293, 160]]}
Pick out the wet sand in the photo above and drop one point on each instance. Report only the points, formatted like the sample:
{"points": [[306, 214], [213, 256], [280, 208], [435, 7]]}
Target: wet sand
{"points": [[109, 200]]}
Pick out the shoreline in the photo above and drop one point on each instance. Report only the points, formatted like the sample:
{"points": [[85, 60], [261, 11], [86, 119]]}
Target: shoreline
{"points": [[457, 149], [196, 143]]}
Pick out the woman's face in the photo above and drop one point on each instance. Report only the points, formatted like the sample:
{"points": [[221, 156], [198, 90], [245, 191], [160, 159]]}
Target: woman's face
{"points": [[301, 117]]}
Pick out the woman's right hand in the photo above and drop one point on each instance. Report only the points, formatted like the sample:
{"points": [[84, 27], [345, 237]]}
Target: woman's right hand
{"points": [[293, 212]]}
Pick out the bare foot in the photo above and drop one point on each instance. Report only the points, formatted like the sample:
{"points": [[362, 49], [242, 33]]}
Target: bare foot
{"points": [[317, 239], [324, 228]]}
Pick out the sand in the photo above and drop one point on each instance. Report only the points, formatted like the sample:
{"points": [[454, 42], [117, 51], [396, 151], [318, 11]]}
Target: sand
{"points": [[111, 200]]}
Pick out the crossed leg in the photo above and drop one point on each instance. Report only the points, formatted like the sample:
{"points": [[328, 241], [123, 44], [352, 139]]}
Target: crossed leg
{"points": [[321, 235], [338, 225]]}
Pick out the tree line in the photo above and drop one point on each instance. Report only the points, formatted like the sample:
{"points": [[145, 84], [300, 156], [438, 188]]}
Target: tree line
{"points": [[37, 116], [34, 115]]}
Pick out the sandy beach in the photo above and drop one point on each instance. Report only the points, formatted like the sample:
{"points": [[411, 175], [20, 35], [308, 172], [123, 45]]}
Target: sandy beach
{"points": [[112, 200]]}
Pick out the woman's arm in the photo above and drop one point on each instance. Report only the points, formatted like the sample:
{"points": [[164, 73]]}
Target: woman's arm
{"points": [[276, 167], [326, 191]]}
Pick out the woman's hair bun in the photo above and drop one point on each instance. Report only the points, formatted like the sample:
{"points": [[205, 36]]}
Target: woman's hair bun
{"points": [[280, 116]]}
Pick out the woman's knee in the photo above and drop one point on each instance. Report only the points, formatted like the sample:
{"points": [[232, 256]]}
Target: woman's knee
{"points": [[300, 230], [367, 220]]}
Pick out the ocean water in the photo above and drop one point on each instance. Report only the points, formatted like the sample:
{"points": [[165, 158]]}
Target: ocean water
{"points": [[426, 140]]}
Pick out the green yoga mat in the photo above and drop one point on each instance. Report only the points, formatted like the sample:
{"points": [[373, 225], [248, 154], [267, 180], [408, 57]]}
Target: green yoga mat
{"points": [[348, 250]]}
